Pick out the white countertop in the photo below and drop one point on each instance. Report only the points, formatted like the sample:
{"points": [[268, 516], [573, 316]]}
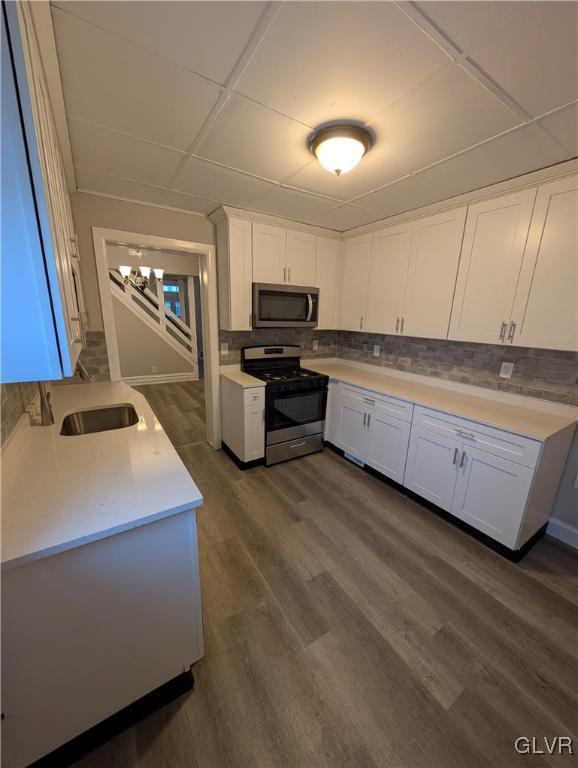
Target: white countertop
{"points": [[237, 376], [60, 492], [498, 410]]}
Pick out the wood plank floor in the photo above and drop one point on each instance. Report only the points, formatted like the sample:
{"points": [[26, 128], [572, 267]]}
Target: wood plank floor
{"points": [[347, 626]]}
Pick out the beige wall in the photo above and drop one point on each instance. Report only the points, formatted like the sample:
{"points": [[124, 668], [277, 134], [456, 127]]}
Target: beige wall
{"points": [[139, 348], [94, 211]]}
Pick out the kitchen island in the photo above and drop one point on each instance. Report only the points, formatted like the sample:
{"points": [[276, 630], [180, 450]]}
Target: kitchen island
{"points": [[100, 578]]}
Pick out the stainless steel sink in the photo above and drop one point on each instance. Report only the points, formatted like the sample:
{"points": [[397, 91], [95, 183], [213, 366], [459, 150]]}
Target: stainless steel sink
{"points": [[99, 420]]}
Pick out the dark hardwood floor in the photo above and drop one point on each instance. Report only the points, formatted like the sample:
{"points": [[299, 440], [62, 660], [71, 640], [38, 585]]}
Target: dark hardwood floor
{"points": [[347, 626]]}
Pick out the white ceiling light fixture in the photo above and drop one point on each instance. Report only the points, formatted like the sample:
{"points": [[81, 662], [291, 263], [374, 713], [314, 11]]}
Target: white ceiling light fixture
{"points": [[339, 148]]}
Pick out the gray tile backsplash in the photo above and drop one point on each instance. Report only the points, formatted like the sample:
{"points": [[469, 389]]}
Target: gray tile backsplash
{"points": [[15, 398], [545, 374]]}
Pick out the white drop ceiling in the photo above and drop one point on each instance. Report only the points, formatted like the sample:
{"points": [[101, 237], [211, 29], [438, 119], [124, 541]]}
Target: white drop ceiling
{"points": [[196, 104]]}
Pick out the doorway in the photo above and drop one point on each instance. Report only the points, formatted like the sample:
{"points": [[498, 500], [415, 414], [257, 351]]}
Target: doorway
{"points": [[184, 317]]}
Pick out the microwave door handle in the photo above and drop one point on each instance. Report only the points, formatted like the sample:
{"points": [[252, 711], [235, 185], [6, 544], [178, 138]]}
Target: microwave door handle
{"points": [[310, 307]]}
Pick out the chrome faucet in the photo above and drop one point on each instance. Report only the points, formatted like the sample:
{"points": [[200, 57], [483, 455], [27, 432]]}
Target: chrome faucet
{"points": [[46, 415]]}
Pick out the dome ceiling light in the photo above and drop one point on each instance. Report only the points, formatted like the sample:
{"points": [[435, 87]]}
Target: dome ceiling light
{"points": [[339, 148]]}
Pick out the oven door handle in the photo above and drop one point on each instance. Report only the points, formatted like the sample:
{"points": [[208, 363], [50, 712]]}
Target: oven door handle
{"points": [[310, 307]]}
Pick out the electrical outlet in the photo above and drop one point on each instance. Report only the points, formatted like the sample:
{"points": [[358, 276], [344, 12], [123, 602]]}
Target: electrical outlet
{"points": [[506, 370], [315, 345], [224, 348], [154, 369], [376, 350]]}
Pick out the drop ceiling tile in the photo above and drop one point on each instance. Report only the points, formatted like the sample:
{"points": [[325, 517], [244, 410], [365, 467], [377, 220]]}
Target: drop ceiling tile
{"points": [[252, 138], [403, 196], [321, 61], [535, 60], [466, 24], [369, 174], [106, 151], [207, 180], [563, 126], [204, 37], [443, 115], [345, 217], [517, 152], [90, 181], [114, 83], [290, 204]]}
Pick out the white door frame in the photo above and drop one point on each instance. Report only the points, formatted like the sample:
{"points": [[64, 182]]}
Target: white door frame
{"points": [[209, 312]]}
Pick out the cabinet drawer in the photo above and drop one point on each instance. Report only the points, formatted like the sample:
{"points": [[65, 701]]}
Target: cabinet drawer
{"points": [[516, 448], [390, 405], [253, 396]]}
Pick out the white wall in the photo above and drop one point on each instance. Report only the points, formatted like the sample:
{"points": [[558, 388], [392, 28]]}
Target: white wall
{"points": [[95, 211]]}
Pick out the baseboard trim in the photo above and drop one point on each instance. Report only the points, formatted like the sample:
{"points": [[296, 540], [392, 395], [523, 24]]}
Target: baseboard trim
{"points": [[160, 378], [562, 531]]}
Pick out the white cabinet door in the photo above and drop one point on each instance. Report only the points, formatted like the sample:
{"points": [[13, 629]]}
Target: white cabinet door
{"points": [[491, 494], [388, 441], [235, 272], [332, 413], [355, 282], [435, 254], [269, 253], [328, 280], [431, 467], [389, 263], [353, 433], [546, 306], [254, 432], [494, 242], [301, 258]]}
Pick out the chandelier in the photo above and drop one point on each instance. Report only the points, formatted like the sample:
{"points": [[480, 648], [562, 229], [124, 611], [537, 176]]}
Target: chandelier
{"points": [[139, 276]]}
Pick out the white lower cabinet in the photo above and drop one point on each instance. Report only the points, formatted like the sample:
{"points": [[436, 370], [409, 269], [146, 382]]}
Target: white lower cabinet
{"points": [[501, 483], [431, 466], [491, 494], [243, 419], [368, 431]]}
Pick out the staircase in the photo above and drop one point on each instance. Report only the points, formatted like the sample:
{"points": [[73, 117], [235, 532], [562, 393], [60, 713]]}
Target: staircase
{"points": [[151, 311]]}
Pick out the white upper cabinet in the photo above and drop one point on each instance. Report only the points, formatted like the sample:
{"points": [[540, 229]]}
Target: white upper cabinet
{"points": [[301, 258], [235, 267], [269, 253], [356, 258], [328, 281], [545, 310], [494, 242], [389, 262], [435, 255]]}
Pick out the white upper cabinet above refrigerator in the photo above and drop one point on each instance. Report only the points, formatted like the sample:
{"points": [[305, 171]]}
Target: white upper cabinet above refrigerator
{"points": [[492, 252], [545, 310]]}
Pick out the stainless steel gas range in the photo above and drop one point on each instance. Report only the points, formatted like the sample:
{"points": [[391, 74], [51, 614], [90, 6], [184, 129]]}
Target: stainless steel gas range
{"points": [[295, 401]]}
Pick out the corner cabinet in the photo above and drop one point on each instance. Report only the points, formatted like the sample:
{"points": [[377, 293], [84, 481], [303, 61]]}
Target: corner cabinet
{"points": [[235, 269], [355, 281], [328, 280], [42, 327]]}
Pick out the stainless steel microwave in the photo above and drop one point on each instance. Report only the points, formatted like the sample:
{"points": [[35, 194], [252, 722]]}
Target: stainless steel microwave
{"points": [[284, 306]]}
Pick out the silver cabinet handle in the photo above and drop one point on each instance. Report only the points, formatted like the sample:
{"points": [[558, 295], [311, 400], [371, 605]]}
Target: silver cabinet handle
{"points": [[401, 328], [368, 400], [511, 332], [364, 419], [288, 274], [368, 420], [397, 325], [463, 433], [503, 328], [456, 454], [463, 459], [361, 322]]}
